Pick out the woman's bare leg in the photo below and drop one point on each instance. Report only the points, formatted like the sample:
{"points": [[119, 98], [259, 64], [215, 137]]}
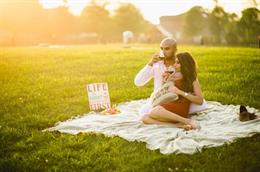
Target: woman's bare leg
{"points": [[148, 120], [161, 114]]}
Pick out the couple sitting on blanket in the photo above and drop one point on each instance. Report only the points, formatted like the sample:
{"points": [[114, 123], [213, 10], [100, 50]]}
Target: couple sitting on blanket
{"points": [[186, 86]]}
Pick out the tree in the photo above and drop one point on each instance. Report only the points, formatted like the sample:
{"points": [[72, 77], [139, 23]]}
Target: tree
{"points": [[128, 17], [18, 16], [95, 18], [249, 24], [58, 23], [231, 29], [218, 18], [30, 23], [22, 19], [194, 21]]}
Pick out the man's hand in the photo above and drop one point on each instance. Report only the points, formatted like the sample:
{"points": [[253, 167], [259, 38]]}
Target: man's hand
{"points": [[155, 58]]}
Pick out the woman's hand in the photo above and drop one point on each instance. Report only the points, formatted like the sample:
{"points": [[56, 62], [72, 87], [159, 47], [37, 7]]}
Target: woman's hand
{"points": [[171, 77], [174, 76], [175, 90], [165, 76]]}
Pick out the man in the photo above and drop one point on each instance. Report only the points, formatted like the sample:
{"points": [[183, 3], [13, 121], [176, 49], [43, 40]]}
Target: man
{"points": [[156, 68]]}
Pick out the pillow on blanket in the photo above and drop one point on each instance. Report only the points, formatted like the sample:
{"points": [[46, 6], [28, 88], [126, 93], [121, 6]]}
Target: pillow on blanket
{"points": [[163, 95]]}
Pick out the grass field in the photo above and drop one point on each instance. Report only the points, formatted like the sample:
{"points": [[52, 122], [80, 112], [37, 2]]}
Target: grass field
{"points": [[41, 86]]}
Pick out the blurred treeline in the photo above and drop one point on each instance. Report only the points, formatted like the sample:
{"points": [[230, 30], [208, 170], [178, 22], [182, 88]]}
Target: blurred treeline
{"points": [[219, 26], [28, 23]]}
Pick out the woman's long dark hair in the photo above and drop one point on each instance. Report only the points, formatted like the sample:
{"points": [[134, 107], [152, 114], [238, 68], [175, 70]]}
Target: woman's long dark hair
{"points": [[188, 70]]}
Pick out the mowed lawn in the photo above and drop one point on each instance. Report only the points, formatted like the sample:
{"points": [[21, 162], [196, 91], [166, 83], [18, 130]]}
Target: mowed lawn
{"points": [[41, 86]]}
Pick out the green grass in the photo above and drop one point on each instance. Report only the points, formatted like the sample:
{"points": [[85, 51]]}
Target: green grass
{"points": [[41, 86]]}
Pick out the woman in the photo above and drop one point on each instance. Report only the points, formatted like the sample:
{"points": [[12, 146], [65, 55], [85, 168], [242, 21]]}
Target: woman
{"points": [[188, 89]]}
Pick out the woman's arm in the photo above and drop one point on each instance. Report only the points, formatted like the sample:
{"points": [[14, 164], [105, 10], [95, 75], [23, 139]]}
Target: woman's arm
{"points": [[196, 98]]}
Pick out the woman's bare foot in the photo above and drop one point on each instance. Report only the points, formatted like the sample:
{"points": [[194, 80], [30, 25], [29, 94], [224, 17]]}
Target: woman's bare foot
{"points": [[187, 127], [194, 125]]}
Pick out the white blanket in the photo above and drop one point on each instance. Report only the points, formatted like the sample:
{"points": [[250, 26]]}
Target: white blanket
{"points": [[219, 125]]}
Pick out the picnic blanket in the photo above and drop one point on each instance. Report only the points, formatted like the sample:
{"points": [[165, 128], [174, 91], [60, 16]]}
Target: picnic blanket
{"points": [[219, 124]]}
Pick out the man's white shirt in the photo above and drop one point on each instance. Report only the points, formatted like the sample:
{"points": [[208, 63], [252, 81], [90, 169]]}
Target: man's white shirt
{"points": [[149, 72]]}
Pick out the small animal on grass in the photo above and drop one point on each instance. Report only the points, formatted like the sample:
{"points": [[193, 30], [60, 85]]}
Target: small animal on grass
{"points": [[244, 115]]}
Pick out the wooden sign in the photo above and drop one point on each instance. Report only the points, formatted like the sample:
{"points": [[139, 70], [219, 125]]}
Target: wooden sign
{"points": [[98, 96]]}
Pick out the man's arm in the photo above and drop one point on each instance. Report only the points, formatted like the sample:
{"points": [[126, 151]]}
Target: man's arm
{"points": [[144, 76]]}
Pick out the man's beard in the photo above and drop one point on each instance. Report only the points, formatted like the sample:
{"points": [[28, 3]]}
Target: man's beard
{"points": [[170, 57]]}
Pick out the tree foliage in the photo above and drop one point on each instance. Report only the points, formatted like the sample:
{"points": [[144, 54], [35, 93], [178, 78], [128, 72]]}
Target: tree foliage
{"points": [[195, 21], [249, 24], [96, 18], [128, 17], [223, 26]]}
